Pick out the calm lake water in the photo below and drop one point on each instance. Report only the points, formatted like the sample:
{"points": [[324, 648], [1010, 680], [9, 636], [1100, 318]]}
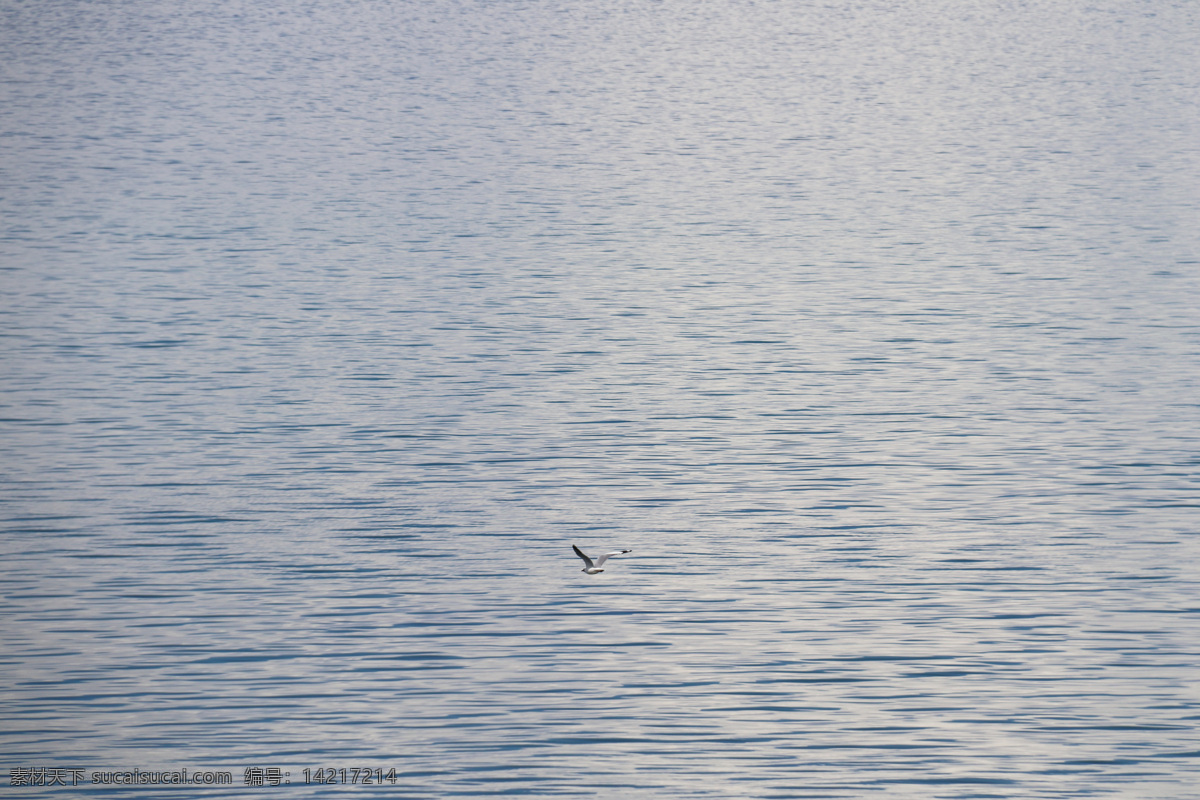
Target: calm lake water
{"points": [[872, 328]]}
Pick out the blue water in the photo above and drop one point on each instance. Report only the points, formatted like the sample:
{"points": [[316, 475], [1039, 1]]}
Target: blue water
{"points": [[872, 328]]}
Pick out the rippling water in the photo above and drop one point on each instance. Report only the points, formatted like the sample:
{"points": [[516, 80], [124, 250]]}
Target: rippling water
{"points": [[871, 328]]}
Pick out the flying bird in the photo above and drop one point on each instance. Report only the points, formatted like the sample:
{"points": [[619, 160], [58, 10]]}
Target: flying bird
{"points": [[593, 567]]}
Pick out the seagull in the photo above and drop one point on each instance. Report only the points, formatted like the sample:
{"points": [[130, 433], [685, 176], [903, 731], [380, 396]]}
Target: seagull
{"points": [[593, 568]]}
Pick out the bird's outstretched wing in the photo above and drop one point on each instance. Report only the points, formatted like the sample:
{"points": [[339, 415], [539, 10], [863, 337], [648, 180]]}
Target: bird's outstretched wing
{"points": [[600, 561], [587, 561]]}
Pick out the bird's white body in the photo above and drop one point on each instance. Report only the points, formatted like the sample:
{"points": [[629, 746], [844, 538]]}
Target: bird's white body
{"points": [[593, 567]]}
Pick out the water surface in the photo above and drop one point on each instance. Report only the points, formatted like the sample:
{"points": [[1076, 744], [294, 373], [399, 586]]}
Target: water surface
{"points": [[871, 328]]}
